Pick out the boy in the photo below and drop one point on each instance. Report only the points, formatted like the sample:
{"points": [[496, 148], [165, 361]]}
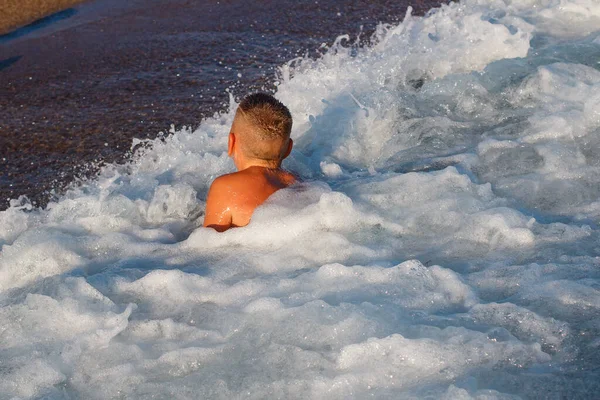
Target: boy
{"points": [[259, 140]]}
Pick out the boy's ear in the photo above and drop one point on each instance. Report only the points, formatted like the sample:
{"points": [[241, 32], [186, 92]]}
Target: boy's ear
{"points": [[230, 144], [289, 149]]}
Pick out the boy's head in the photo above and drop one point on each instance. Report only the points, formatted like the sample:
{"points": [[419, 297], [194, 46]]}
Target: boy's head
{"points": [[261, 129]]}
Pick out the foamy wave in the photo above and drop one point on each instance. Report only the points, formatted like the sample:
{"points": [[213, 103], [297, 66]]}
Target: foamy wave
{"points": [[443, 243]]}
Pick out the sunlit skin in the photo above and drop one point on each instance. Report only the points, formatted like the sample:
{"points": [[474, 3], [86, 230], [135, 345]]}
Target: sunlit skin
{"points": [[232, 198]]}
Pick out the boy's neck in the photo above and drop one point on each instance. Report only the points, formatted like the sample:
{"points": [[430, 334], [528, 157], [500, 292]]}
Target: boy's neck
{"points": [[253, 162]]}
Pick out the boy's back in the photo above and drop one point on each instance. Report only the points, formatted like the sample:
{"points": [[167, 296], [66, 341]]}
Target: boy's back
{"points": [[258, 141], [233, 197]]}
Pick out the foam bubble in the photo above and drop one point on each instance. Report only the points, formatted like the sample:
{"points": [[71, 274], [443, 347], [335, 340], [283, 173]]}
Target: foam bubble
{"points": [[442, 242]]}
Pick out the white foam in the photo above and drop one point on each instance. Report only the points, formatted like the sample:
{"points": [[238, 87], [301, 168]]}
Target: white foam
{"points": [[442, 244]]}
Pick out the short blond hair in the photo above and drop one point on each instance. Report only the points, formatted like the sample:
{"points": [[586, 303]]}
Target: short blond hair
{"points": [[272, 122]]}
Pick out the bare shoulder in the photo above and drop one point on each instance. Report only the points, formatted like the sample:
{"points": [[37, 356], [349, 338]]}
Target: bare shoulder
{"points": [[289, 178], [221, 189], [241, 177], [218, 204], [225, 181]]}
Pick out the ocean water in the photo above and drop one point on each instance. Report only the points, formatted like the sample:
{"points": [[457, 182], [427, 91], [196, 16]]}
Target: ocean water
{"points": [[76, 89], [442, 245]]}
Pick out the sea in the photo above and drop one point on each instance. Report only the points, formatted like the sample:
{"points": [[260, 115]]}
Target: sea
{"points": [[443, 242], [78, 86]]}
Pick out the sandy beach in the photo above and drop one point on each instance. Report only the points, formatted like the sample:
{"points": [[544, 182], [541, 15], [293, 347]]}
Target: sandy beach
{"points": [[17, 13]]}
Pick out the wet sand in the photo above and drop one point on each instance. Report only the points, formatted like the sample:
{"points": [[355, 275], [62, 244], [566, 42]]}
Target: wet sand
{"points": [[17, 13], [74, 92]]}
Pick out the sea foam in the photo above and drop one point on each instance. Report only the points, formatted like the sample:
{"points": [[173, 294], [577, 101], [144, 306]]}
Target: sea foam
{"points": [[442, 242]]}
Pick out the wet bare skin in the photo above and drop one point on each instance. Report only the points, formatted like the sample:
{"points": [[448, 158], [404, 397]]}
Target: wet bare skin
{"points": [[233, 198]]}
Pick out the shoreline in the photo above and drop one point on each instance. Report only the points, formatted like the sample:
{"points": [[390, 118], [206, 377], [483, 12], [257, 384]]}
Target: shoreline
{"points": [[16, 14], [75, 92]]}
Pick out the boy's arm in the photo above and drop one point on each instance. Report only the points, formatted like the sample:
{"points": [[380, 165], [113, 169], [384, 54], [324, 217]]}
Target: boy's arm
{"points": [[218, 211]]}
